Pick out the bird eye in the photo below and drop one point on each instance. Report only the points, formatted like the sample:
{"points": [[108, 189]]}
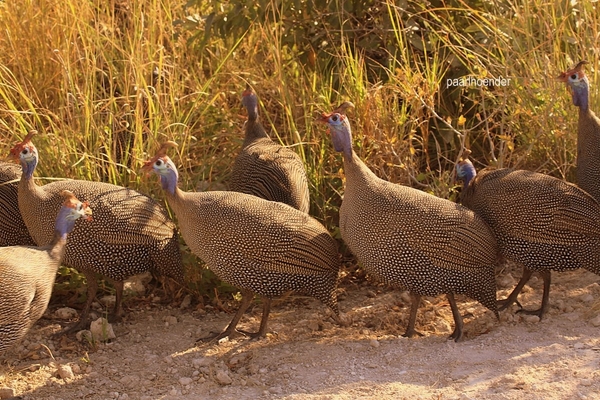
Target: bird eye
{"points": [[79, 207], [334, 118], [158, 163], [574, 76], [25, 151]]}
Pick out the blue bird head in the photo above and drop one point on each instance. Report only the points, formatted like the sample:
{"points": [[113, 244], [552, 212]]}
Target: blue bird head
{"points": [[164, 167], [72, 209], [26, 154], [465, 171], [578, 84]]}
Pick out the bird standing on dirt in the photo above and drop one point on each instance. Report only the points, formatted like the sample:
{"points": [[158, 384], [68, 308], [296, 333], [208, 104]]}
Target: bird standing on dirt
{"points": [[411, 239], [588, 131], [265, 168], [258, 246], [27, 274], [540, 222], [131, 232]]}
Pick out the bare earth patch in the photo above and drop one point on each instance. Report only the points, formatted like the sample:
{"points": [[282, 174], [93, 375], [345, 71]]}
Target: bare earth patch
{"points": [[307, 356]]}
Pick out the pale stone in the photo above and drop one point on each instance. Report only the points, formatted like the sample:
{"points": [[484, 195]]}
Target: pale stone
{"points": [[101, 330], [65, 313]]}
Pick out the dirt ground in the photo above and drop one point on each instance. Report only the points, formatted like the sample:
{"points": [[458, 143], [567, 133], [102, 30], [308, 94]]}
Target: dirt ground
{"points": [[307, 356]]}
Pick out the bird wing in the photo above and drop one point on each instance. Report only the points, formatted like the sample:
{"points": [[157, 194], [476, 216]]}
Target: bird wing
{"points": [[270, 236], [121, 215], [446, 233], [536, 207]]}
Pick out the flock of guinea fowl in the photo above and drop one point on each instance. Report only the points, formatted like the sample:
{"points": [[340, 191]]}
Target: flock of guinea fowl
{"points": [[259, 237]]}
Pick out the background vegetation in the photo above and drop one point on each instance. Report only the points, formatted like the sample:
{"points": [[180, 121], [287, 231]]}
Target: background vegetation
{"points": [[106, 81]]}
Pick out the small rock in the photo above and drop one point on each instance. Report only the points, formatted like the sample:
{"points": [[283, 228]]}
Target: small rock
{"points": [[65, 371], [185, 303], [170, 320], [571, 316], [586, 382], [276, 390], [531, 318], [101, 330], [578, 346], [185, 381], [202, 362], [313, 325], [6, 392], [66, 313], [137, 284], [223, 378], [126, 380], [405, 296], [505, 281], [76, 368], [374, 343], [84, 335], [168, 360], [109, 300], [586, 298], [595, 321]]}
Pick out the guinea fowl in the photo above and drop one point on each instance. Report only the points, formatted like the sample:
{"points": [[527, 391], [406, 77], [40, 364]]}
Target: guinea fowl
{"points": [[13, 231], [261, 247], [540, 222], [132, 233], [27, 274], [588, 131], [411, 239], [266, 169]]}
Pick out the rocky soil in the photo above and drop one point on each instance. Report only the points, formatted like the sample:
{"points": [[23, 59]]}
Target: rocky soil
{"points": [[307, 356]]}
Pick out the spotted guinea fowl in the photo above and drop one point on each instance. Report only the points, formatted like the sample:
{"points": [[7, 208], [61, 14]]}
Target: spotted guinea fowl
{"points": [[266, 169], [261, 247], [411, 239], [13, 231], [131, 234], [588, 131], [540, 222], [27, 274]]}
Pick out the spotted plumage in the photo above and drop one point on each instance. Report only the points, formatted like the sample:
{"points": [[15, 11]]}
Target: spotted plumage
{"points": [[265, 168], [27, 274], [411, 239], [13, 231], [131, 233], [588, 131], [540, 222], [262, 247]]}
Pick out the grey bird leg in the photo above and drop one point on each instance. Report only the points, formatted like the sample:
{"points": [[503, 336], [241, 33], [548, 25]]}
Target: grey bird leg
{"points": [[263, 322], [512, 298], [117, 314], [544, 307], [410, 330], [247, 297], [92, 288], [457, 335]]}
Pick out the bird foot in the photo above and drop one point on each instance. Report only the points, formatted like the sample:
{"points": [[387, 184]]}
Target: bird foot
{"points": [[539, 312], [252, 335], [504, 304], [76, 327], [412, 333], [457, 336], [215, 337]]}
